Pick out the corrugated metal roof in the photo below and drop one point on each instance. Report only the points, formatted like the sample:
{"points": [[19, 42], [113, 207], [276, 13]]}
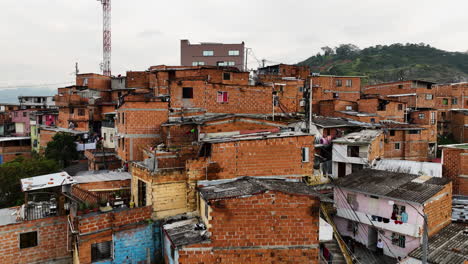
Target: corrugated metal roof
{"points": [[246, 186], [410, 167], [448, 246], [46, 181], [186, 232], [361, 137], [393, 185], [101, 176]]}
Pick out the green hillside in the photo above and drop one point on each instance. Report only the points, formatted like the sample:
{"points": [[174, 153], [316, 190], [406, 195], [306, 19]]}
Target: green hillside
{"points": [[391, 63]]}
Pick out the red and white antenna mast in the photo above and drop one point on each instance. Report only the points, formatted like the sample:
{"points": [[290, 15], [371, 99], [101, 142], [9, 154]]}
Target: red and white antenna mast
{"points": [[106, 35]]}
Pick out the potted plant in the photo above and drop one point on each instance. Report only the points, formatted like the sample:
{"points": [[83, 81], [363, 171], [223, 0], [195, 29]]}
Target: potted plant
{"points": [[87, 208], [81, 208]]}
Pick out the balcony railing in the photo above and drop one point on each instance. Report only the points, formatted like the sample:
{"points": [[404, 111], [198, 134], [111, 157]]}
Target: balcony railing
{"points": [[108, 123]]}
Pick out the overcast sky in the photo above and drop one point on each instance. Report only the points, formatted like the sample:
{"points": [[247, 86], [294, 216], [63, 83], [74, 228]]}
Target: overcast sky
{"points": [[42, 39]]}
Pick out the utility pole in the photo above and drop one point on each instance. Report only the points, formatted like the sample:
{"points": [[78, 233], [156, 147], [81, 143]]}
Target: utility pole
{"points": [[310, 104], [106, 35], [246, 58], [76, 69], [425, 241]]}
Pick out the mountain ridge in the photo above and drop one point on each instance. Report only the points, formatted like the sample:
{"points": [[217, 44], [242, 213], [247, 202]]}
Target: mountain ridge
{"points": [[385, 63]]}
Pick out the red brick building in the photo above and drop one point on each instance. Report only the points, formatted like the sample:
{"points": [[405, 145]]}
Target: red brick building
{"points": [[409, 142], [38, 241], [415, 93], [455, 166], [329, 87], [248, 220], [459, 125]]}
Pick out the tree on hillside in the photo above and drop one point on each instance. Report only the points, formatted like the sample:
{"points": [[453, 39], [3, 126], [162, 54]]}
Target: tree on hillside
{"points": [[345, 50], [328, 51], [62, 149], [12, 172]]}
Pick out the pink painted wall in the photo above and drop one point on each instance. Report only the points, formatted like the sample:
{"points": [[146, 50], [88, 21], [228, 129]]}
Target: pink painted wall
{"points": [[18, 117], [48, 120], [379, 207]]}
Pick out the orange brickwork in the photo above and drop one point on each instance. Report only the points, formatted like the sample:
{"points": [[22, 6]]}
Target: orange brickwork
{"points": [[455, 167], [99, 228], [51, 241], [258, 157], [328, 87], [264, 228], [139, 124], [439, 210]]}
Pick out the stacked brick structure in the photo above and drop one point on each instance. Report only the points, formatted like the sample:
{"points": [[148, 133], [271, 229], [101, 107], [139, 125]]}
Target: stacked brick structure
{"points": [[263, 228], [449, 96], [51, 246], [455, 167], [329, 87], [254, 157], [409, 142], [415, 93], [97, 228], [266, 226], [458, 125], [385, 109], [138, 124]]}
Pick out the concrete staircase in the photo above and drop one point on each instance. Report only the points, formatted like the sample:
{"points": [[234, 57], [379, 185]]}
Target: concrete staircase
{"points": [[334, 249]]}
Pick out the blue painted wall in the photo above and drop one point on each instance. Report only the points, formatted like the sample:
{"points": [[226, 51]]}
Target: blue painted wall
{"points": [[131, 246]]}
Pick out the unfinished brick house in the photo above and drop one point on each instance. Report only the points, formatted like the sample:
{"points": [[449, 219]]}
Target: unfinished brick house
{"points": [[385, 109], [33, 241], [167, 177], [455, 166], [329, 87], [415, 93], [330, 107], [459, 125], [277, 72], [138, 123], [229, 230], [449, 96], [13, 147], [409, 142], [79, 105]]}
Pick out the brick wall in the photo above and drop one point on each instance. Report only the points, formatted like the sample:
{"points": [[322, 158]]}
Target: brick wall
{"points": [[139, 124], [457, 125], [52, 241], [166, 191], [329, 107], [241, 99], [454, 167], [261, 157], [272, 227], [96, 228], [238, 124], [412, 147], [95, 81], [90, 186], [439, 210], [326, 87]]}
